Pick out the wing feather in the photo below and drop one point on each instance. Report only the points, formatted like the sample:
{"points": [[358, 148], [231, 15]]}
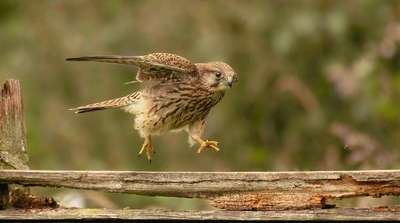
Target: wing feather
{"points": [[152, 67]]}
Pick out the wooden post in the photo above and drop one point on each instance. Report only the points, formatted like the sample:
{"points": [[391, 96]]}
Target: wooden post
{"points": [[13, 145]]}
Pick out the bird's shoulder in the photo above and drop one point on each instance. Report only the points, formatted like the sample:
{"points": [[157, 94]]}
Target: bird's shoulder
{"points": [[166, 67]]}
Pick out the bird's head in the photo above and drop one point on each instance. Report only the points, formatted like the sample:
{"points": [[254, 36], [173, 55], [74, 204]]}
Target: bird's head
{"points": [[217, 76]]}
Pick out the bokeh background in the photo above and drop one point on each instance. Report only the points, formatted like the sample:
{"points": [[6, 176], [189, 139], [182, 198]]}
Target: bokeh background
{"points": [[319, 86]]}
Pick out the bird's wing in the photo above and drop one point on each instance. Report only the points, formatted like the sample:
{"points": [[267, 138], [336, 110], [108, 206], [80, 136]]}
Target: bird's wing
{"points": [[152, 67]]}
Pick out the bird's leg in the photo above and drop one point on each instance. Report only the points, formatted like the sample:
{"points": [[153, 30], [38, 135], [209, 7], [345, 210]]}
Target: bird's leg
{"points": [[147, 145], [195, 130], [206, 144]]}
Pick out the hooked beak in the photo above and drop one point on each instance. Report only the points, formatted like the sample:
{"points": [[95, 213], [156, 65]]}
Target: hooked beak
{"points": [[229, 83], [231, 80]]}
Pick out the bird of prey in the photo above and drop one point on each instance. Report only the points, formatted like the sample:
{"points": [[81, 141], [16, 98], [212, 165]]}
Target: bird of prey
{"points": [[182, 99]]}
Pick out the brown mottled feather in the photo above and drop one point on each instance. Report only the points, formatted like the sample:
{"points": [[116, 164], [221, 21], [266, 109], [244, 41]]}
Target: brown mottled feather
{"points": [[152, 67], [113, 103]]}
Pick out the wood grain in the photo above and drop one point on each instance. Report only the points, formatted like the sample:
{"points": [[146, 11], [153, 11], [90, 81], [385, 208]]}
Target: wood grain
{"points": [[13, 145], [337, 214]]}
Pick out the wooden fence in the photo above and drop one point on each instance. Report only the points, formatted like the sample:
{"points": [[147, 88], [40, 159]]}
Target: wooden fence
{"points": [[238, 196]]}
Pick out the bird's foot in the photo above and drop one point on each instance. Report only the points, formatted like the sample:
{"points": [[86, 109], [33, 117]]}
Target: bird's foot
{"points": [[208, 144], [148, 147]]}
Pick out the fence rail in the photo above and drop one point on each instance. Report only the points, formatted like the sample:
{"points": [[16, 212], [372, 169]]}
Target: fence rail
{"points": [[235, 191], [334, 214]]}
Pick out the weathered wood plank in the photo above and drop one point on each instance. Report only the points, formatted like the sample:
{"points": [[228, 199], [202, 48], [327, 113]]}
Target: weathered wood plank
{"points": [[13, 145], [337, 214], [226, 190]]}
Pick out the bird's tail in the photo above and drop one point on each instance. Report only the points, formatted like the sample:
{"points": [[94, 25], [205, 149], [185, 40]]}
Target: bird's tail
{"points": [[114, 103]]}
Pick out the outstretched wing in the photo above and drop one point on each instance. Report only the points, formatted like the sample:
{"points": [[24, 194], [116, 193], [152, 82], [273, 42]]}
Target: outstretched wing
{"points": [[152, 67]]}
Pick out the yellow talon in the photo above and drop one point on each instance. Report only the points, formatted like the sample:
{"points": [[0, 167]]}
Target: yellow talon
{"points": [[207, 144], [147, 145]]}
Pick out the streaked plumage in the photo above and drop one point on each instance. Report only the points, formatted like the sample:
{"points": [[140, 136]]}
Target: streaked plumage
{"points": [[182, 100]]}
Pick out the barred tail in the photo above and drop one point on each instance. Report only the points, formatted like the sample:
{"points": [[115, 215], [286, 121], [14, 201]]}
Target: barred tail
{"points": [[114, 103]]}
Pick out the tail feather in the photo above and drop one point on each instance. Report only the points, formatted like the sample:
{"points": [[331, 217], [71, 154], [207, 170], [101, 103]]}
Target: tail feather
{"points": [[114, 103]]}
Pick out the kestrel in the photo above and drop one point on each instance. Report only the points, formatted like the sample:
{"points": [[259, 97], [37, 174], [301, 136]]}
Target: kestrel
{"points": [[182, 99]]}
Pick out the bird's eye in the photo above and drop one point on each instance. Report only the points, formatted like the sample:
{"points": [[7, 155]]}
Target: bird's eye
{"points": [[218, 74]]}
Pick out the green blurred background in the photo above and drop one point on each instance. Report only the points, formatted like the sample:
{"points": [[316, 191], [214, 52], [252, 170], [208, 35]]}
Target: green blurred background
{"points": [[314, 76]]}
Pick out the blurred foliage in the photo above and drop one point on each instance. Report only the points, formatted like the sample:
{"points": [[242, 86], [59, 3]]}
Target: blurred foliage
{"points": [[318, 89]]}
